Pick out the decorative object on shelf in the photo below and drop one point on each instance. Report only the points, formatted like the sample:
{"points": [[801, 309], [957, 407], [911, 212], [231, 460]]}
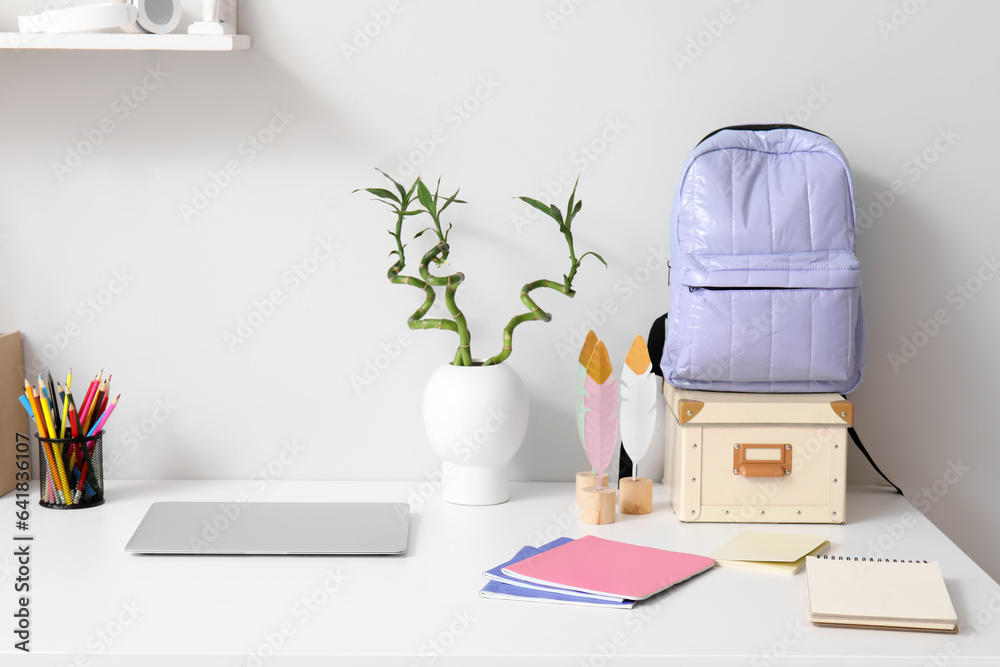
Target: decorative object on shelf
{"points": [[637, 418], [218, 18], [157, 17], [79, 19], [138, 16], [600, 431], [464, 418], [584, 479]]}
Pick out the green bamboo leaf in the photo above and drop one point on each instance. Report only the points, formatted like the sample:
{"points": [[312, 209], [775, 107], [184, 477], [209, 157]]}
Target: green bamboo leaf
{"points": [[569, 207], [402, 190], [383, 194], [557, 215], [595, 255], [416, 212], [579, 205], [426, 200], [451, 200], [409, 194], [420, 233], [534, 203]]}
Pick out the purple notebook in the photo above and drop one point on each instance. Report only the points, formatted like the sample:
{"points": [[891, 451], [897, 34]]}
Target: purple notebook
{"points": [[496, 574]]}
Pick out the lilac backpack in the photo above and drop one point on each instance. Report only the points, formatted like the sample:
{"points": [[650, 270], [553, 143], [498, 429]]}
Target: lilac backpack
{"points": [[765, 293]]}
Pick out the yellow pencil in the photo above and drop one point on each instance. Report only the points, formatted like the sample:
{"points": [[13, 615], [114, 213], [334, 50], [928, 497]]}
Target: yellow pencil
{"points": [[62, 424], [29, 391], [57, 450], [36, 410]]}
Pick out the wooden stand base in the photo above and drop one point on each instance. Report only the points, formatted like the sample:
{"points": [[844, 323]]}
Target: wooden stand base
{"points": [[598, 507], [636, 495], [585, 479]]}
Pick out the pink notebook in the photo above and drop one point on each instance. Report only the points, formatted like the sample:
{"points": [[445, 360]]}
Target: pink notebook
{"points": [[607, 567]]}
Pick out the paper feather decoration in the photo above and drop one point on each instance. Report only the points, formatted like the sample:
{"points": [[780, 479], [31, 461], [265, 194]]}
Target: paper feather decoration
{"points": [[600, 423], [581, 373], [638, 411]]}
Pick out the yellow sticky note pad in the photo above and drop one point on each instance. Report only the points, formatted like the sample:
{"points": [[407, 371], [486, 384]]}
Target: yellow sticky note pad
{"points": [[776, 552]]}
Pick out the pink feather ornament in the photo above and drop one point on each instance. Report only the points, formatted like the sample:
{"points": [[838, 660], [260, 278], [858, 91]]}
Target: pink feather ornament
{"points": [[600, 422]]}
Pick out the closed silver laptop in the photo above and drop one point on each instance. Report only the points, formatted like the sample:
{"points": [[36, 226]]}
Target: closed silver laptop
{"points": [[228, 528]]}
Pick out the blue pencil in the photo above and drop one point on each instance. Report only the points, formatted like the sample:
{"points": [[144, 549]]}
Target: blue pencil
{"points": [[27, 406]]}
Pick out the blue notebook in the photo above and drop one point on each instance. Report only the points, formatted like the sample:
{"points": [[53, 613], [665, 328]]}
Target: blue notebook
{"points": [[502, 586], [500, 591]]}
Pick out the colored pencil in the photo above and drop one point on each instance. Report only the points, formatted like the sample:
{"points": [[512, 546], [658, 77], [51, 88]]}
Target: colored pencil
{"points": [[84, 450], [47, 413], [95, 408], [27, 406], [36, 407], [88, 397], [55, 405], [79, 486], [104, 418], [62, 420], [102, 406], [56, 450]]}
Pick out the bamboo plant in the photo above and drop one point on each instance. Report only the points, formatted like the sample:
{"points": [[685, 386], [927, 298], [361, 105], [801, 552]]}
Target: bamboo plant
{"points": [[418, 200]]}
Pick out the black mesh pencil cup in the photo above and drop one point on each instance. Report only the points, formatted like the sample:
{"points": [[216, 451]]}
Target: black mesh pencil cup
{"points": [[71, 472]]}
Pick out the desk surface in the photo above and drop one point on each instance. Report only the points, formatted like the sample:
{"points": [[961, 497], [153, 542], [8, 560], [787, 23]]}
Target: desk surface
{"points": [[88, 596]]}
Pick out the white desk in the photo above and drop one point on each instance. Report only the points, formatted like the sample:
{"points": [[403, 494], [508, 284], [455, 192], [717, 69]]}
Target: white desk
{"points": [[88, 595]]}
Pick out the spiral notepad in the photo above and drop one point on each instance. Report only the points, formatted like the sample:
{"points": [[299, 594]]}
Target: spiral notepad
{"points": [[879, 593]]}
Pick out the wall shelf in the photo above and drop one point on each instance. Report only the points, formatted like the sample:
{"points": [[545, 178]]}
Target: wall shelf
{"points": [[105, 41]]}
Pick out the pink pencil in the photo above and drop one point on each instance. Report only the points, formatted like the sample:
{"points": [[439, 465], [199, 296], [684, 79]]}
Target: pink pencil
{"points": [[104, 418], [91, 391]]}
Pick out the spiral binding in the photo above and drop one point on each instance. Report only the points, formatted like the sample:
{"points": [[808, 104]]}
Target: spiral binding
{"points": [[870, 560]]}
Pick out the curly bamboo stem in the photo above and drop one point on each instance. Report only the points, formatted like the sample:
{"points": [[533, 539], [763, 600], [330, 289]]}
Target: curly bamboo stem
{"points": [[534, 314], [416, 321], [438, 254]]}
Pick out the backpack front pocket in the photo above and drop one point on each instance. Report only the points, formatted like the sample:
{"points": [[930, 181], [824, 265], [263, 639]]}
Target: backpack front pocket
{"points": [[770, 318]]}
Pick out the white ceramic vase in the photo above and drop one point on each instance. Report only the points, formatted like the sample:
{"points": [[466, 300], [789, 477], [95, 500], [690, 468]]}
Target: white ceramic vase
{"points": [[475, 418]]}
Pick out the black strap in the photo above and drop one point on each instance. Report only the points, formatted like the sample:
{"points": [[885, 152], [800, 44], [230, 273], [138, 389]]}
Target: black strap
{"points": [[857, 441], [654, 343]]}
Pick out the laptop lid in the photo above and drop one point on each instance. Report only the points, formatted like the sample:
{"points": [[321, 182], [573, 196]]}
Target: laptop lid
{"points": [[227, 528]]}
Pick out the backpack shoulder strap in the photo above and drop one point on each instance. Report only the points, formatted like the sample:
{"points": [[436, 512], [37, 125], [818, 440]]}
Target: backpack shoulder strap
{"points": [[656, 340], [857, 441]]}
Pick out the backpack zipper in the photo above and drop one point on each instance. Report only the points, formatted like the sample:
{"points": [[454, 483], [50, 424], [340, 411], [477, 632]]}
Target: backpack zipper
{"points": [[692, 288]]}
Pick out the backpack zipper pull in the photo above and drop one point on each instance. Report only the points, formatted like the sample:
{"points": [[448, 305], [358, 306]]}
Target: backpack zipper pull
{"points": [[668, 273]]}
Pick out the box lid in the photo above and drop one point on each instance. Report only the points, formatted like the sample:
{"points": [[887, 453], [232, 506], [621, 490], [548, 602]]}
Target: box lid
{"points": [[725, 407]]}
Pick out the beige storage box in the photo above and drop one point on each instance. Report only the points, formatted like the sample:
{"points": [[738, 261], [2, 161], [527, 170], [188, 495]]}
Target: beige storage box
{"points": [[756, 458]]}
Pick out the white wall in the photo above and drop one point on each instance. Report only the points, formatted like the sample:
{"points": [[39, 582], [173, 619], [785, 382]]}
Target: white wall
{"points": [[603, 74]]}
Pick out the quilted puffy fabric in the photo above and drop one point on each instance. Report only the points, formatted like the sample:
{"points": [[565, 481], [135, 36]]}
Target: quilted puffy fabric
{"points": [[766, 289]]}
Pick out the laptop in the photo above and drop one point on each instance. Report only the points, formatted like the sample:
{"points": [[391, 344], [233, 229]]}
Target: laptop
{"points": [[268, 529]]}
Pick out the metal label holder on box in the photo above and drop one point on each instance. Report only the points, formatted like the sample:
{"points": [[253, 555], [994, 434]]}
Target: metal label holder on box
{"points": [[756, 458]]}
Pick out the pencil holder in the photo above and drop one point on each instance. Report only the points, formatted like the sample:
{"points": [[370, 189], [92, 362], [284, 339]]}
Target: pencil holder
{"points": [[71, 472]]}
